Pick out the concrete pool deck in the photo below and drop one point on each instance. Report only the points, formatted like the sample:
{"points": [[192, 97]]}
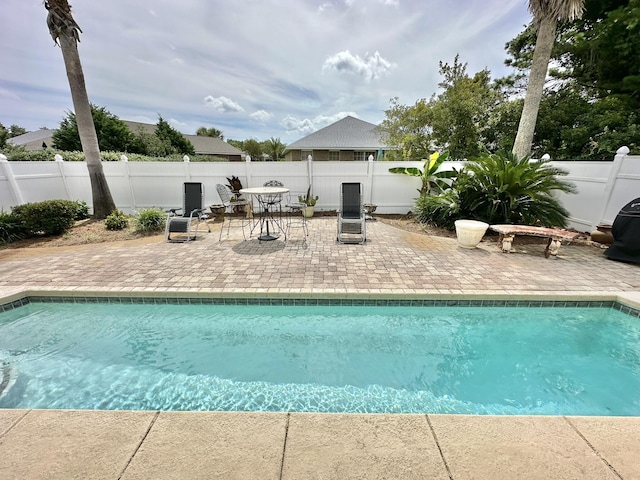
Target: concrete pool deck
{"points": [[392, 264]]}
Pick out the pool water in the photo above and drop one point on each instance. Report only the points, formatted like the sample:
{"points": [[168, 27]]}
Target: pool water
{"points": [[477, 360]]}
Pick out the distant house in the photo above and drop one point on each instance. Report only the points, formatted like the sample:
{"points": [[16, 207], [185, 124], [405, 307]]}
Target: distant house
{"points": [[37, 140], [349, 139], [207, 146]]}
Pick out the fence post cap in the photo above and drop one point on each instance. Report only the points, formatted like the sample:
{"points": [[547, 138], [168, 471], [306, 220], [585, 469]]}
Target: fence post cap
{"points": [[58, 158], [3, 158], [124, 158], [623, 151]]}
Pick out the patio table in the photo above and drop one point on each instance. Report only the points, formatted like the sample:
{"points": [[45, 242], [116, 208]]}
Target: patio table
{"points": [[265, 196]]}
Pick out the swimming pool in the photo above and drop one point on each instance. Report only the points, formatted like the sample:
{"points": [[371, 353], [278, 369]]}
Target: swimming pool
{"points": [[574, 360]]}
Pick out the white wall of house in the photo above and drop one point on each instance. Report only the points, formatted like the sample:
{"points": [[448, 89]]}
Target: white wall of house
{"points": [[603, 187]]}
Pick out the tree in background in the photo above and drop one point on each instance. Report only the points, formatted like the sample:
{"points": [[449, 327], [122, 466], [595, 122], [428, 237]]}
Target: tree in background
{"points": [[601, 51], [546, 14], [210, 132], [590, 107], [64, 29], [7, 133], [113, 134], [253, 149], [457, 120], [171, 139], [274, 148]]}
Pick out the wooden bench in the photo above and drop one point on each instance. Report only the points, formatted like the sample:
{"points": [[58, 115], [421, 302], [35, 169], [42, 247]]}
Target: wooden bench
{"points": [[555, 236]]}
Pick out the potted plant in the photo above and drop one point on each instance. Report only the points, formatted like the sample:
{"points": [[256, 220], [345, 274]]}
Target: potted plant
{"points": [[309, 202]]}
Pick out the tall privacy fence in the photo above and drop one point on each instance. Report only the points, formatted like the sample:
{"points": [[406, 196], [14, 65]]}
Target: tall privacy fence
{"points": [[603, 187]]}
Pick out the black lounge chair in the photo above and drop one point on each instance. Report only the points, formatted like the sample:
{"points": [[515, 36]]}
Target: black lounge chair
{"points": [[192, 213], [352, 226]]}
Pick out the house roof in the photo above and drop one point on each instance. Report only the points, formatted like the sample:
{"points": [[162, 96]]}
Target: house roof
{"points": [[33, 140], [212, 146], [203, 145], [347, 134]]}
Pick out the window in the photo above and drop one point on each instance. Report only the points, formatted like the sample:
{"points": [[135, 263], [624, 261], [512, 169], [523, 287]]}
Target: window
{"points": [[334, 156], [358, 156]]}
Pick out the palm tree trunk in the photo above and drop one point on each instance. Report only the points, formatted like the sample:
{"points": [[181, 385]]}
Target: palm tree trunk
{"points": [[103, 203], [537, 76], [64, 29]]}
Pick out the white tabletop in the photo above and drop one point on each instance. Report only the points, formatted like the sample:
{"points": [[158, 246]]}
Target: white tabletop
{"points": [[264, 190]]}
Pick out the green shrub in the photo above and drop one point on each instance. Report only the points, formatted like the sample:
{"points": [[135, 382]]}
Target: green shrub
{"points": [[150, 220], [82, 211], [51, 217], [10, 228], [500, 188], [439, 210], [116, 220], [22, 155]]}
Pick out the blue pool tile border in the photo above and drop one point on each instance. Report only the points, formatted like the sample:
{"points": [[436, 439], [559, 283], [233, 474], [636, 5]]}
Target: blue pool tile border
{"points": [[402, 302]]}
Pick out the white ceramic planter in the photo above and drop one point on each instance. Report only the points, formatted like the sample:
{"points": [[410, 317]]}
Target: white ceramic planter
{"points": [[470, 232], [307, 211]]}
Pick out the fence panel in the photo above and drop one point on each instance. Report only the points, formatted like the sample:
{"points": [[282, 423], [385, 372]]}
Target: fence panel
{"points": [[603, 187]]}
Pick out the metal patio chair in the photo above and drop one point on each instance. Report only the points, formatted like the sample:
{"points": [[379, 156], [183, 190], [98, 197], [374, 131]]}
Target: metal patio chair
{"points": [[352, 225], [192, 213]]}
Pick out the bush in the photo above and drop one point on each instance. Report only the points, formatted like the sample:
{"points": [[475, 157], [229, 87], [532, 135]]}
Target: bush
{"points": [[150, 220], [500, 188], [10, 228], [116, 220], [439, 210], [82, 211], [51, 217]]}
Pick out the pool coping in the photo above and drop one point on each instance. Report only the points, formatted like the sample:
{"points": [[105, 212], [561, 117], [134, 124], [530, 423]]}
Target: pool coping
{"points": [[626, 302]]}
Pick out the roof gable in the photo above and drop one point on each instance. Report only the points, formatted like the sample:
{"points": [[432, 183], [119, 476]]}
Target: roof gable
{"points": [[348, 133]]}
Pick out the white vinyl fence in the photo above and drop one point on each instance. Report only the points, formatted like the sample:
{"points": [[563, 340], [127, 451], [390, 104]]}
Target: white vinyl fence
{"points": [[603, 187]]}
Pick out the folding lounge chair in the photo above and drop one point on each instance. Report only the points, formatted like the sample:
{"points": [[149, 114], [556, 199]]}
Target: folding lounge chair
{"points": [[225, 196], [352, 225], [192, 212]]}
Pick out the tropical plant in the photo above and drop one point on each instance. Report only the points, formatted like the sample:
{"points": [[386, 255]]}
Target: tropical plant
{"points": [[309, 200], [501, 188], [433, 179], [274, 148], [64, 29], [235, 185], [546, 14], [11, 228], [150, 220], [210, 132]]}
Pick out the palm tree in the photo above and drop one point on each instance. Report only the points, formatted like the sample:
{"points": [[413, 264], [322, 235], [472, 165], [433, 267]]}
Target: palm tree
{"points": [[274, 148], [64, 29], [546, 13]]}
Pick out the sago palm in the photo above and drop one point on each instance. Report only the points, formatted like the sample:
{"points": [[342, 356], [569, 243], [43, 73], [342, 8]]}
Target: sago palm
{"points": [[546, 14], [502, 188]]}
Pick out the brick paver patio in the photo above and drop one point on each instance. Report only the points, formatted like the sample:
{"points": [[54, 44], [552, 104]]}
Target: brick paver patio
{"points": [[141, 445]]}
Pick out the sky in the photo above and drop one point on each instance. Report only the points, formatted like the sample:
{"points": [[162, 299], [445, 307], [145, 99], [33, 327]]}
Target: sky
{"points": [[251, 68]]}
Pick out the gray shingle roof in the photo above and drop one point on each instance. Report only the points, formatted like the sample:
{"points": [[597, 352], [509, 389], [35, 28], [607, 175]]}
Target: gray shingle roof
{"points": [[347, 134], [211, 145], [203, 145]]}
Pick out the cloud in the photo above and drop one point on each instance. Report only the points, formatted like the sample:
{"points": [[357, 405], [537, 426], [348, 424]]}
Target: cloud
{"points": [[306, 126], [393, 3], [222, 104], [371, 67], [8, 94], [260, 116]]}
